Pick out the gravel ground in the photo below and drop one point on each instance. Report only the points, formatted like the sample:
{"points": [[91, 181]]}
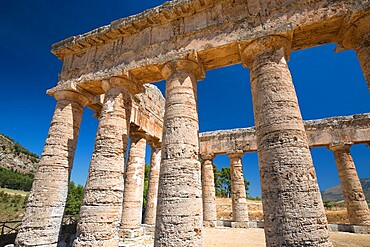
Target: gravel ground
{"points": [[237, 237]]}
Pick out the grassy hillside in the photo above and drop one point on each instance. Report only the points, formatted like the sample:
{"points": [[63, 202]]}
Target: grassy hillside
{"points": [[12, 204], [14, 192], [335, 193], [15, 157]]}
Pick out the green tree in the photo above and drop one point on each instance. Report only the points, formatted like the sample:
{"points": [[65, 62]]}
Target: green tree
{"points": [[18, 149], [146, 183], [74, 199], [328, 204], [222, 180], [15, 180]]}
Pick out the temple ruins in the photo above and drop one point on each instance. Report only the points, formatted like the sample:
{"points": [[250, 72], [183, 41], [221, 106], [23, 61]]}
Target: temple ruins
{"points": [[109, 70]]}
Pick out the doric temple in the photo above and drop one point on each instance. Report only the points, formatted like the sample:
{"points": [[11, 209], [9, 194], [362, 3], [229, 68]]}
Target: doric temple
{"points": [[109, 70]]}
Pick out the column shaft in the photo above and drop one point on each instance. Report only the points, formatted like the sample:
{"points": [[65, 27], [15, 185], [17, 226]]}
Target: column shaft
{"points": [[179, 212], [102, 204], [152, 193], [208, 192], [292, 205], [357, 208], [134, 183], [238, 194], [44, 212]]}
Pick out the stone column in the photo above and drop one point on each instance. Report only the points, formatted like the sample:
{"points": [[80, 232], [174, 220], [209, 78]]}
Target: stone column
{"points": [[134, 184], [357, 208], [292, 205], [208, 190], [179, 212], [238, 194], [152, 193], [102, 204], [355, 35], [44, 212]]}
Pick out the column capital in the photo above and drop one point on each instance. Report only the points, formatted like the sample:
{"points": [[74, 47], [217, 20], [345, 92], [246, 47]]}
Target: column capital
{"points": [[266, 44], [335, 146], [137, 134], [183, 65], [71, 96], [354, 33], [235, 154], [125, 81], [154, 143], [207, 156]]}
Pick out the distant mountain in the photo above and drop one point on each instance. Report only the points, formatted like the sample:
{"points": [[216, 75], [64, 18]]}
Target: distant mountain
{"points": [[335, 193], [15, 157]]}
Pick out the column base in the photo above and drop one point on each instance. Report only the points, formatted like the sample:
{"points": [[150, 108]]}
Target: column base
{"points": [[131, 233], [349, 228], [142, 236], [240, 224], [246, 224], [210, 223]]}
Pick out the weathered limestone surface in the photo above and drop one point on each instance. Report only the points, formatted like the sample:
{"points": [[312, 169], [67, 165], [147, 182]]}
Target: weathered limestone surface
{"points": [[238, 194], [134, 183], [208, 191], [152, 193], [321, 132], [148, 111], [179, 212], [44, 212], [212, 28], [161, 43], [147, 106], [102, 204], [293, 210], [357, 208]]}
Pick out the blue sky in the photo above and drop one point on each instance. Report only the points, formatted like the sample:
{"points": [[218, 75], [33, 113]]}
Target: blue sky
{"points": [[327, 83]]}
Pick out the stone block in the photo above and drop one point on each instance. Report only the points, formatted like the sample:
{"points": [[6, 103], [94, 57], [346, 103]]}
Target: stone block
{"points": [[244, 224], [227, 223], [210, 223], [333, 227], [253, 224], [360, 229], [149, 230], [260, 224], [220, 223], [132, 233]]}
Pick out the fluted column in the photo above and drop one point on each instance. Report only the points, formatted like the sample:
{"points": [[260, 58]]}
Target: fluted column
{"points": [[101, 209], [292, 205], [357, 208], [208, 191], [44, 212], [134, 183], [152, 193], [355, 35], [238, 194], [179, 212]]}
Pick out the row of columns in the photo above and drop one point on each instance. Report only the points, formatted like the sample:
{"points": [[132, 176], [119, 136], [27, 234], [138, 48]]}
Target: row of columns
{"points": [[287, 173], [110, 203], [357, 207], [238, 194], [292, 205]]}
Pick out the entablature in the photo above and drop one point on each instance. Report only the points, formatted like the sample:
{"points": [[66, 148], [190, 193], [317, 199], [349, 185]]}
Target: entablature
{"points": [[322, 132], [212, 32]]}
